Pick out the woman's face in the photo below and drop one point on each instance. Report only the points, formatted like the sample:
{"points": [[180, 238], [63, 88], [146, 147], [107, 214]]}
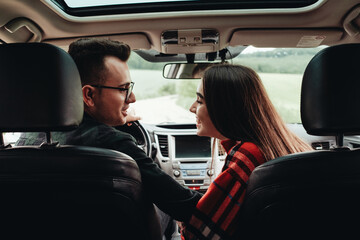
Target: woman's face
{"points": [[204, 125]]}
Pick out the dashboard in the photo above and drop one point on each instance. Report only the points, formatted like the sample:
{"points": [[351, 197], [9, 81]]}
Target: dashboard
{"points": [[184, 155]]}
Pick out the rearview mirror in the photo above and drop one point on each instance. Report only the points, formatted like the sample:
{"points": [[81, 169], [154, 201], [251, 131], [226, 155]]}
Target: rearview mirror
{"points": [[185, 70]]}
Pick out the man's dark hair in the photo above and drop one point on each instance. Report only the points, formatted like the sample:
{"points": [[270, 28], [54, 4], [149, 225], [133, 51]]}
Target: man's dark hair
{"points": [[89, 54], [200, 68]]}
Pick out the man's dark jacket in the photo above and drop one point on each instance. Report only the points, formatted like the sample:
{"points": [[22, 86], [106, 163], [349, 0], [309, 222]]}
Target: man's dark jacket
{"points": [[159, 187]]}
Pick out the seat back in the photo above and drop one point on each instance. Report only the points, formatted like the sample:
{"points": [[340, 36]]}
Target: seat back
{"points": [[59, 191], [315, 194]]}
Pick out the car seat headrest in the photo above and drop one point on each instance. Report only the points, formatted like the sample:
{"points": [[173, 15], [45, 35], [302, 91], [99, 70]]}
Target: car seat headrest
{"points": [[40, 88], [330, 92]]}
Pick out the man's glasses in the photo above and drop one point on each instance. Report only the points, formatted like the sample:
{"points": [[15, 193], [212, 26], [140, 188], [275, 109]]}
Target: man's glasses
{"points": [[128, 89]]}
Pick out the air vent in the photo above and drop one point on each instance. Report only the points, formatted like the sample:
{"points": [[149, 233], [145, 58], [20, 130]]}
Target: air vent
{"points": [[320, 145], [163, 143]]}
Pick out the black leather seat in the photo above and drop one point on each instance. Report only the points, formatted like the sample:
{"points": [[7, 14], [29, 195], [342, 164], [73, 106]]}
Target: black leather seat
{"points": [[55, 191], [314, 195]]}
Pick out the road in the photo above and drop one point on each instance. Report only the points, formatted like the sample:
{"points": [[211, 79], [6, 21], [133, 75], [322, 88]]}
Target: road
{"points": [[162, 109]]}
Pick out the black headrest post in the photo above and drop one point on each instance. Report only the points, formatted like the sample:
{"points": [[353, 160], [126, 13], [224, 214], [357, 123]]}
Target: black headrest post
{"points": [[49, 143], [2, 144], [48, 137], [340, 140]]}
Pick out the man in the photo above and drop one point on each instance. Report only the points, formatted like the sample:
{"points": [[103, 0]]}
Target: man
{"points": [[107, 94]]}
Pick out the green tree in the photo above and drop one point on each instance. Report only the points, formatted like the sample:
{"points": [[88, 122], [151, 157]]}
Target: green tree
{"points": [[137, 62], [282, 60], [187, 92], [167, 89]]}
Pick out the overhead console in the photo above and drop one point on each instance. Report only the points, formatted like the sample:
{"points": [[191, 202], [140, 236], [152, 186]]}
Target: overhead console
{"points": [[189, 41]]}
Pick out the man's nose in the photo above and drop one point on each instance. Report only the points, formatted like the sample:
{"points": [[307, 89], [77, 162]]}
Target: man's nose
{"points": [[132, 98]]}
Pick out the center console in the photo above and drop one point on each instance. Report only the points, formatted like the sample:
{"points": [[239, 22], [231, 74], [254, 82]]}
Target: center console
{"points": [[187, 157]]}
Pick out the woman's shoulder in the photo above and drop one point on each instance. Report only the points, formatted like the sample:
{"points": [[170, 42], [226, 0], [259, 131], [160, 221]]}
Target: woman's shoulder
{"points": [[247, 152], [251, 147], [233, 146]]}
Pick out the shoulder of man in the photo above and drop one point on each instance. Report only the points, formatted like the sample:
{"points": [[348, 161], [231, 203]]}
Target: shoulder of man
{"points": [[92, 133], [112, 134]]}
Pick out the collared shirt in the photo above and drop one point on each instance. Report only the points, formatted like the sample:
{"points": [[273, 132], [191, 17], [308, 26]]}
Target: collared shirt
{"points": [[160, 188], [216, 214]]}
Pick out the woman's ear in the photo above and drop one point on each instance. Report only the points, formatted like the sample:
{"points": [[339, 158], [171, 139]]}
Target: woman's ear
{"points": [[88, 95]]}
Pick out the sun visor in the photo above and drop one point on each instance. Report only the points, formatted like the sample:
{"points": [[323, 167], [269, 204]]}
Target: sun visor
{"points": [[134, 40], [286, 38]]}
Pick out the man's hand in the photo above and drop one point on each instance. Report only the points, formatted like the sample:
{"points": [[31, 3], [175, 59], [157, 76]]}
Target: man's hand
{"points": [[131, 117]]}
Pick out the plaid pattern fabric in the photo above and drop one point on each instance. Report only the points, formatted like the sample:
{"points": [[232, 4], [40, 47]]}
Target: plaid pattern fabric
{"points": [[216, 214]]}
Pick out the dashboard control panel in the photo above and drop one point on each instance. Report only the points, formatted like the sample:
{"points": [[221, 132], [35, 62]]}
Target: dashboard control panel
{"points": [[187, 157]]}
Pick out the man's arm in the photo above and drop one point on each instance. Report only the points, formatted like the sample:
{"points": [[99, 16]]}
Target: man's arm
{"points": [[172, 198]]}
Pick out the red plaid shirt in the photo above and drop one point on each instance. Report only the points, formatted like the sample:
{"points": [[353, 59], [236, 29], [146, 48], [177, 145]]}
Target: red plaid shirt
{"points": [[216, 214]]}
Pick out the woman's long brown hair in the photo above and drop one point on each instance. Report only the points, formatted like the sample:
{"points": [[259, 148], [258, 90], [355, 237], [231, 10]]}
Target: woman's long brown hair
{"points": [[241, 110]]}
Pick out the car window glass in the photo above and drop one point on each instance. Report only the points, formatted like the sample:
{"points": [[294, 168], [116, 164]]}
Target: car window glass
{"points": [[162, 100]]}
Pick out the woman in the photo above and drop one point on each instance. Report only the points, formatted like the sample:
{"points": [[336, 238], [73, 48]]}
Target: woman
{"points": [[233, 106]]}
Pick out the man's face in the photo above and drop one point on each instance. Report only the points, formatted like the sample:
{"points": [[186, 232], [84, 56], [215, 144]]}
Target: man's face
{"points": [[110, 106]]}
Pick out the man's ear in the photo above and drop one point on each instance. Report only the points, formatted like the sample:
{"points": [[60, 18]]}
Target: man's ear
{"points": [[88, 95]]}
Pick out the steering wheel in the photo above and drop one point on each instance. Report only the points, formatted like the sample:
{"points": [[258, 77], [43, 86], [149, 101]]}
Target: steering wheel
{"points": [[140, 134]]}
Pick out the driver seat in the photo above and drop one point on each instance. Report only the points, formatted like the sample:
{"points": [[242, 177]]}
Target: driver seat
{"points": [[54, 191], [314, 195]]}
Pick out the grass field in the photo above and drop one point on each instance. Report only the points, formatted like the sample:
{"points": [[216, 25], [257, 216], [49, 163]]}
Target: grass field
{"points": [[283, 90]]}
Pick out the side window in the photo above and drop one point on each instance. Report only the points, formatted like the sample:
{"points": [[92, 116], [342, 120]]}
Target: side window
{"points": [[281, 70], [11, 138]]}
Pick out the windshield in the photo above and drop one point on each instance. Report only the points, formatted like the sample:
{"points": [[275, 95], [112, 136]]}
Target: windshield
{"points": [[167, 101], [161, 100]]}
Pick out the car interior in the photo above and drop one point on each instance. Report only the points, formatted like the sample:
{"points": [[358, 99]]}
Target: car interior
{"points": [[50, 187]]}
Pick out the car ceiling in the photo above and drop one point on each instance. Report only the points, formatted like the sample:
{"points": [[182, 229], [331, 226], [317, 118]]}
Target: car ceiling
{"points": [[335, 21]]}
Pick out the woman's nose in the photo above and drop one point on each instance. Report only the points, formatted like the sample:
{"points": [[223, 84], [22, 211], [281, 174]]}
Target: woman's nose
{"points": [[193, 108]]}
